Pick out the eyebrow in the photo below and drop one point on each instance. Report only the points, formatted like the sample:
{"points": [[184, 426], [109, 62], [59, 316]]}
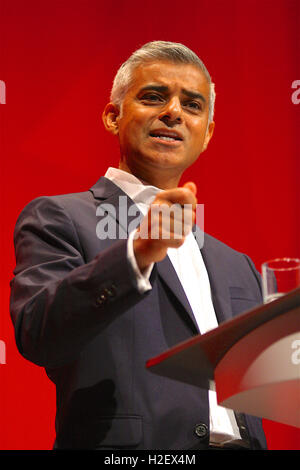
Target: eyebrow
{"points": [[164, 89]]}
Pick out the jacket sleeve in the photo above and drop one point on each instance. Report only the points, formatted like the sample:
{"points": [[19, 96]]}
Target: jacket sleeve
{"points": [[58, 302], [257, 275]]}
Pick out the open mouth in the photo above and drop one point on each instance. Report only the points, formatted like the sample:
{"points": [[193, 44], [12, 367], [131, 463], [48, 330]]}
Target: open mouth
{"points": [[166, 136]]}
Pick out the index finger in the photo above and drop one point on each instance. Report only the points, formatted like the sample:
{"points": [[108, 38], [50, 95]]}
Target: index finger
{"points": [[181, 196]]}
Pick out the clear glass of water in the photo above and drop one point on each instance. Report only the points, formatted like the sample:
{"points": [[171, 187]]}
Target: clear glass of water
{"points": [[279, 276]]}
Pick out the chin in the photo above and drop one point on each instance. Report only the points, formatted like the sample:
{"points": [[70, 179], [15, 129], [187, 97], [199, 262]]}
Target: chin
{"points": [[165, 159]]}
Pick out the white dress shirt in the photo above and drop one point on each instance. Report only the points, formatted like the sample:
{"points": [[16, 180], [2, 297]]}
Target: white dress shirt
{"points": [[190, 268]]}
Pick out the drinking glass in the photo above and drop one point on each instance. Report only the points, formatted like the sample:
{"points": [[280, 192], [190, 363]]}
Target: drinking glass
{"points": [[279, 276]]}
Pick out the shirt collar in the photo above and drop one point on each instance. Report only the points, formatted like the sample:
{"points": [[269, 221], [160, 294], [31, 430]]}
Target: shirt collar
{"points": [[137, 190]]}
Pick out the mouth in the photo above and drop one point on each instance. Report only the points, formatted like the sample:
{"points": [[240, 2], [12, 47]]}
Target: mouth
{"points": [[166, 136]]}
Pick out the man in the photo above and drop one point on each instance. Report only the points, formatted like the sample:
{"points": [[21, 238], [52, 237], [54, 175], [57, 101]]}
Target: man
{"points": [[92, 309]]}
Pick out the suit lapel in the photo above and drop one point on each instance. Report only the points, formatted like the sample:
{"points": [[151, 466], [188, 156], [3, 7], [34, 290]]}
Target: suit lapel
{"points": [[219, 282], [114, 203], [168, 274]]}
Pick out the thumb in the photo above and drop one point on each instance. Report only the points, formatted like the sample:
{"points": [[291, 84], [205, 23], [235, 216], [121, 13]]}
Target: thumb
{"points": [[191, 186]]}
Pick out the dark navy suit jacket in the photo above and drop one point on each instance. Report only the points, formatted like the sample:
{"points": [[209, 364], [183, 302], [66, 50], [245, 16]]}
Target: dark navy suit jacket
{"points": [[78, 313]]}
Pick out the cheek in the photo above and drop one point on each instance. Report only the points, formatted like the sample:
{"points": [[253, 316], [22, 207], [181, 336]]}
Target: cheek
{"points": [[137, 130], [198, 134], [129, 134]]}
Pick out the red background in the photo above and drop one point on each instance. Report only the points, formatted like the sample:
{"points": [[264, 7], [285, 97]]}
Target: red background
{"points": [[58, 60]]}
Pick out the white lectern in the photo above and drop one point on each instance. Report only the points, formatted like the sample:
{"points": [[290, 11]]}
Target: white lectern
{"points": [[252, 361]]}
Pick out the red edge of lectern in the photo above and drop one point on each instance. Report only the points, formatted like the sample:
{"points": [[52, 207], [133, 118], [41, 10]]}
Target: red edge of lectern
{"points": [[263, 313], [161, 357]]}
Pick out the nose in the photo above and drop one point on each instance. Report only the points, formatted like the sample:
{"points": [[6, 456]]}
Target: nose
{"points": [[172, 112]]}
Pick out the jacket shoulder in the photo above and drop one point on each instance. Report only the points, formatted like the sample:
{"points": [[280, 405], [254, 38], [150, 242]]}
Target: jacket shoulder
{"points": [[217, 245], [57, 203], [236, 265]]}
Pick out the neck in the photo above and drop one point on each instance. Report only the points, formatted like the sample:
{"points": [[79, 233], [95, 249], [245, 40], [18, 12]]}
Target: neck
{"points": [[162, 181]]}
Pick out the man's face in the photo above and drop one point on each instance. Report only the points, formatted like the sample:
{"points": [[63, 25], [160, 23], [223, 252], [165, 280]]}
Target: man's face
{"points": [[163, 126]]}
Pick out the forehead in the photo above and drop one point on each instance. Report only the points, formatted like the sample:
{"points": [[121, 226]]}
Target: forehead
{"points": [[174, 76]]}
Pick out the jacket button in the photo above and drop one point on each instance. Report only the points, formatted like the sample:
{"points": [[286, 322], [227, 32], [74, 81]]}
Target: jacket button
{"points": [[201, 430], [111, 291], [101, 299]]}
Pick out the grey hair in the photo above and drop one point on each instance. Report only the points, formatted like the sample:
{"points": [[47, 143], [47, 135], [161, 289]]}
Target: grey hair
{"points": [[158, 50]]}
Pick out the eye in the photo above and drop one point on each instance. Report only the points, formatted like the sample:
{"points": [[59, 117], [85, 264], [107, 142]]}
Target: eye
{"points": [[193, 105], [152, 98]]}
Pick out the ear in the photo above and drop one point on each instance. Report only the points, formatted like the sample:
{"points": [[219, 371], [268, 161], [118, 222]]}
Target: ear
{"points": [[110, 118], [209, 134]]}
